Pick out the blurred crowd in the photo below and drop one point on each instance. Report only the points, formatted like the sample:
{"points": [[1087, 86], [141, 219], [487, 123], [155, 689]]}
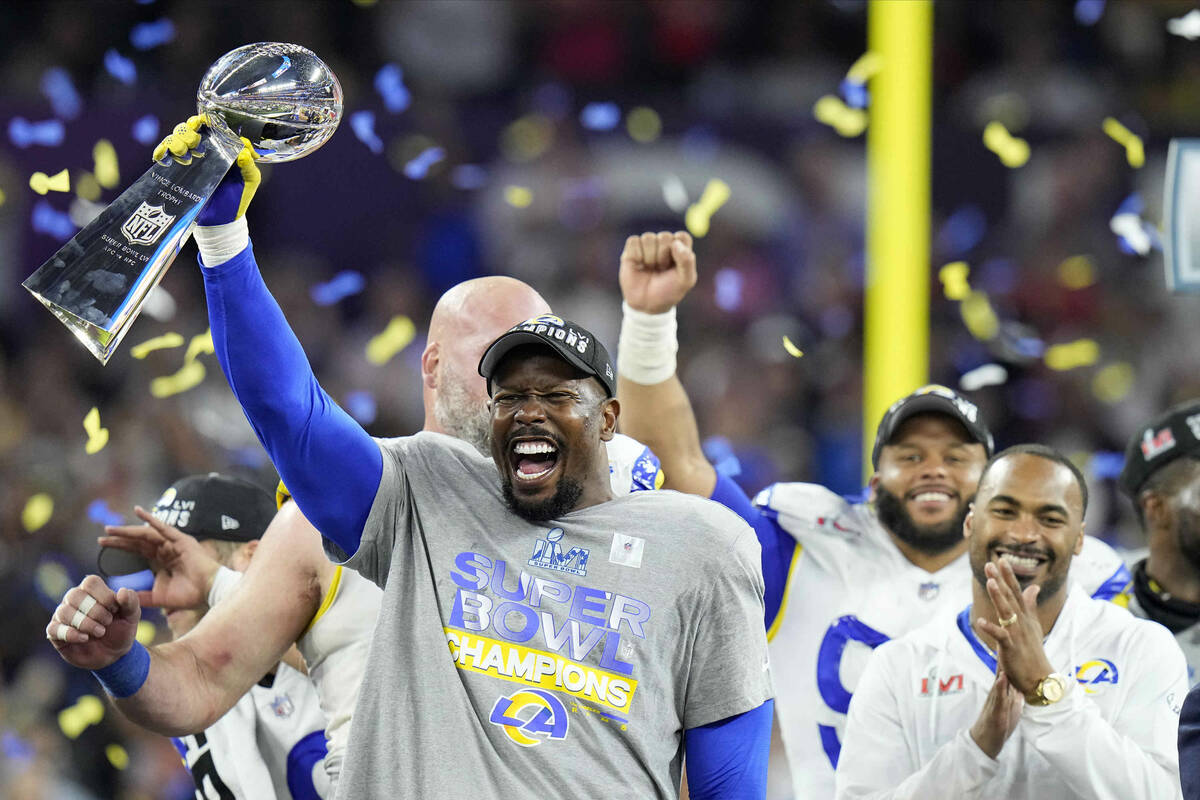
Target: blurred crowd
{"points": [[500, 136]]}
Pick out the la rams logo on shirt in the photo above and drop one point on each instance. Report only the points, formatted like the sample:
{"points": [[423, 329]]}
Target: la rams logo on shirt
{"points": [[530, 717], [1093, 675]]}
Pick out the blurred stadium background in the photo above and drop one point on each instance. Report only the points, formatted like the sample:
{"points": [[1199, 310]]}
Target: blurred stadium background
{"points": [[529, 138]]}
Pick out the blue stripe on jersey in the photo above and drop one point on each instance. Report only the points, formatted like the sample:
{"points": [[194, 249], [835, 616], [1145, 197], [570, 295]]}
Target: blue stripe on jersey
{"points": [[981, 649], [300, 762], [777, 546], [1116, 585]]}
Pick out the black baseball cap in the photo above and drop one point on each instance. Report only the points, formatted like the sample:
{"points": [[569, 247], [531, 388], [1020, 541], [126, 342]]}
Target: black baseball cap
{"points": [[1173, 434], [932, 399], [572, 342], [212, 506]]}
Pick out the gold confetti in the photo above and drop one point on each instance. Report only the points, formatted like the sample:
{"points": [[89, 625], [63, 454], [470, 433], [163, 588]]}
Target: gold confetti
{"points": [[699, 214], [74, 720], [1135, 153], [87, 187], [518, 196], [865, 68], [97, 436], [2, 197], [1013, 151], [1077, 272], [793, 351], [104, 155], [527, 138], [979, 316], [201, 344], [394, 338], [164, 342], [1113, 383], [52, 579], [847, 121], [117, 756], [145, 632], [188, 377], [41, 183], [644, 124], [1070, 355], [954, 280], [37, 512]]}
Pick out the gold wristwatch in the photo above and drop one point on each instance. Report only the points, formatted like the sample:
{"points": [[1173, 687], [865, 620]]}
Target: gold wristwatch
{"points": [[1050, 689]]}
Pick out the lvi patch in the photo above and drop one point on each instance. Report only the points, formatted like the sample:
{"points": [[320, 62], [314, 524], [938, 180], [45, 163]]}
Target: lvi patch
{"points": [[548, 720]]}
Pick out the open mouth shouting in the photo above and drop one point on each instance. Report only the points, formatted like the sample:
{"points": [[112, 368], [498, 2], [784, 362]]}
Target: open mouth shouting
{"points": [[1026, 562], [533, 461]]}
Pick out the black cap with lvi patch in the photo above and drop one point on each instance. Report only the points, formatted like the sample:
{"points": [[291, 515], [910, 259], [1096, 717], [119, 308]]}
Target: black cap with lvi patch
{"points": [[216, 506], [932, 399], [1170, 435], [573, 343]]}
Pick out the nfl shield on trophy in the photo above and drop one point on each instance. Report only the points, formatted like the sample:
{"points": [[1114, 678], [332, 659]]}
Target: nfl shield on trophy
{"points": [[281, 97]]}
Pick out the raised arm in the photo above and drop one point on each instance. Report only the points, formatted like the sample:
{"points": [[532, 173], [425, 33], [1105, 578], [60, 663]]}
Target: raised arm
{"points": [[184, 686], [657, 271], [330, 464]]}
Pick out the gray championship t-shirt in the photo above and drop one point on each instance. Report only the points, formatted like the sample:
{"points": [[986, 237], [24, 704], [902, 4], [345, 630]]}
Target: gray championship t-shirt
{"points": [[558, 659]]}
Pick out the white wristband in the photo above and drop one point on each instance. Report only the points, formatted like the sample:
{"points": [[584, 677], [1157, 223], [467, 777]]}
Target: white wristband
{"points": [[224, 582], [219, 243], [647, 347]]}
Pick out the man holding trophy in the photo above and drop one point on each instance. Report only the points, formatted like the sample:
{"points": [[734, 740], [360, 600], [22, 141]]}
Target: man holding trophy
{"points": [[555, 685]]}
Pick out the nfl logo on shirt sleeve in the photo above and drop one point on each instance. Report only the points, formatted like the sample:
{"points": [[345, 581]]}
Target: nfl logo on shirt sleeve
{"points": [[626, 550]]}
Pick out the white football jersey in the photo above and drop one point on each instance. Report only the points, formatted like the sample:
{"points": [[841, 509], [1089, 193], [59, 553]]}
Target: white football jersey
{"points": [[271, 744], [1111, 736], [1188, 638], [632, 466], [849, 589]]}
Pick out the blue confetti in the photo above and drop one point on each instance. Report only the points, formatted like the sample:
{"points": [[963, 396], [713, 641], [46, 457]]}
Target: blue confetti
{"points": [[961, 231], [468, 176], [418, 168], [1030, 346], [120, 67], [1130, 205], [363, 125], [719, 451], [52, 223], [17, 749], [61, 92], [854, 93], [99, 512], [149, 35], [1088, 12], [361, 406], [389, 82], [145, 2], [145, 129], [1106, 465], [23, 133], [338, 287], [600, 116], [728, 285]]}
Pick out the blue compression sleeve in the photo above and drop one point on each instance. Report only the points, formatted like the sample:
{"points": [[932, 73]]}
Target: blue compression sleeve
{"points": [[331, 466], [777, 546], [728, 759]]}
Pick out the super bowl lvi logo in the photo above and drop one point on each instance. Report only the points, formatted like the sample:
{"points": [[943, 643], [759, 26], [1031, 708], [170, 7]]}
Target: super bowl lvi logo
{"points": [[147, 224]]}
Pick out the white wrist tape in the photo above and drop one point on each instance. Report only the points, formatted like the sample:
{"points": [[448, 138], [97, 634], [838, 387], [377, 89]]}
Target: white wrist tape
{"points": [[647, 347], [219, 243], [224, 582]]}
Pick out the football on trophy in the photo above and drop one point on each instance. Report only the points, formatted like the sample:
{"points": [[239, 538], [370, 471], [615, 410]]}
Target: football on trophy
{"points": [[280, 96]]}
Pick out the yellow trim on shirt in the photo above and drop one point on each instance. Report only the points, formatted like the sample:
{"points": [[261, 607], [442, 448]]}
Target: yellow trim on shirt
{"points": [[328, 599], [787, 588]]}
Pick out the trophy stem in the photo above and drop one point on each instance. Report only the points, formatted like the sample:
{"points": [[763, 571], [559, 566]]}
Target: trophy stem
{"points": [[97, 283]]}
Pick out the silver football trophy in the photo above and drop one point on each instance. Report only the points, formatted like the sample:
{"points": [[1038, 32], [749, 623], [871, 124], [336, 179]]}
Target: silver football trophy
{"points": [[281, 97], [1181, 206]]}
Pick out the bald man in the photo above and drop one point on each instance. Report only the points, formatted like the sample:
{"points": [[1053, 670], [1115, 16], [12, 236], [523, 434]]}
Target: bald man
{"points": [[292, 592]]}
